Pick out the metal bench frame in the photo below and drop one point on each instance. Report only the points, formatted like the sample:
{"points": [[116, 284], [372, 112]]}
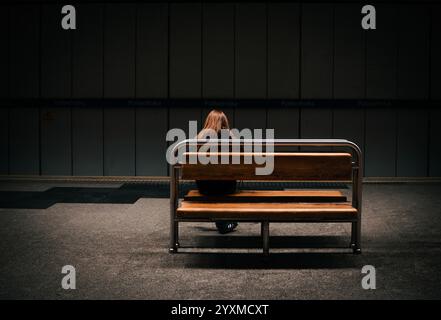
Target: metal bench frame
{"points": [[357, 176]]}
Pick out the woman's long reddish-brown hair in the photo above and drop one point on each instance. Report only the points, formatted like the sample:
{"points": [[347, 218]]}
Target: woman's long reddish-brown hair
{"points": [[216, 121]]}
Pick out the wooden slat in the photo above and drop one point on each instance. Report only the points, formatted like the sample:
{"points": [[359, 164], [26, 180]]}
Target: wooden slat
{"points": [[267, 211], [271, 196], [287, 166]]}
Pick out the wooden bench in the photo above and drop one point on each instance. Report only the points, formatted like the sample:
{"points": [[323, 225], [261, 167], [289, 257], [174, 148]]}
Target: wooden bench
{"points": [[267, 206]]}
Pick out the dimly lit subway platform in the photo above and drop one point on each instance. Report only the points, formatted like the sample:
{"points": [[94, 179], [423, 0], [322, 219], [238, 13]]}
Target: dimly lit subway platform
{"points": [[116, 236]]}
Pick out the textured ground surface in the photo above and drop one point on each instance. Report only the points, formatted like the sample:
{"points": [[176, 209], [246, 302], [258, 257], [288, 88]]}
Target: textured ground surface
{"points": [[120, 251]]}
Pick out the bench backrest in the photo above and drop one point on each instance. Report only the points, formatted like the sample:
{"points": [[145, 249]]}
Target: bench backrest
{"points": [[300, 166]]}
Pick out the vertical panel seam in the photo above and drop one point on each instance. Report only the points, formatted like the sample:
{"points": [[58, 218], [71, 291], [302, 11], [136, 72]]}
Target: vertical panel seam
{"points": [[396, 91], [267, 51], [267, 62], [429, 141], [71, 108], [135, 138], [39, 49], [103, 74], [364, 140], [8, 110], [9, 93], [135, 108], [39, 92], [136, 50], [103, 11], [235, 52], [168, 81], [430, 53], [397, 131], [9, 139], [168, 47], [202, 51], [333, 53], [397, 51], [365, 41], [102, 139], [300, 50], [71, 140], [234, 59]]}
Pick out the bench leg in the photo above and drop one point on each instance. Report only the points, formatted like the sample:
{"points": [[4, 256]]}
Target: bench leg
{"points": [[265, 237], [356, 237], [174, 237], [353, 234]]}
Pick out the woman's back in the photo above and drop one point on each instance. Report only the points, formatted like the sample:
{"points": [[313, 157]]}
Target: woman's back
{"points": [[215, 122]]}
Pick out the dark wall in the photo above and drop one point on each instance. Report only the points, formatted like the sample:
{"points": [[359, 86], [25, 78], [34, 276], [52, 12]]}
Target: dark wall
{"points": [[219, 51]]}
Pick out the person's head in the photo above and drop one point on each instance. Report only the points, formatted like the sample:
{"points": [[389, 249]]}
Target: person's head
{"points": [[216, 121]]}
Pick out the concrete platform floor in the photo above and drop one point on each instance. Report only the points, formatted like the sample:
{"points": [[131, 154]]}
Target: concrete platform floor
{"points": [[120, 251]]}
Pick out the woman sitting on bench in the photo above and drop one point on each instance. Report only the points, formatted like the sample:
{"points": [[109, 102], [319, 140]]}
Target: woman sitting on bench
{"points": [[215, 122]]}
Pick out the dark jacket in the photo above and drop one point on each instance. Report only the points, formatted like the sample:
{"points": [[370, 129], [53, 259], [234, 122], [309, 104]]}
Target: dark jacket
{"points": [[216, 187]]}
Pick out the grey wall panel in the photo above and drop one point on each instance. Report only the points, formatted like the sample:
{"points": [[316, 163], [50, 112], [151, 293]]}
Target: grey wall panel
{"points": [[435, 143], [349, 124], [4, 140], [151, 130], [285, 122], [251, 118], [435, 55], [283, 50], [56, 147], [349, 53], [24, 51], [380, 148], [251, 51], [412, 142], [381, 55], [119, 50], [218, 51], [4, 53], [87, 141], [316, 123], [185, 50], [56, 60], [87, 60], [413, 52], [152, 51], [180, 117], [119, 141], [317, 51], [24, 141]]}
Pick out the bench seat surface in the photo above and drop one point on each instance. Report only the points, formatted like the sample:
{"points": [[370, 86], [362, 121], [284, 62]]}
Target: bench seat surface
{"points": [[267, 211], [271, 196]]}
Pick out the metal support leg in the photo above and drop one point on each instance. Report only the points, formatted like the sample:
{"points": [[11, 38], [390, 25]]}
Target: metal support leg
{"points": [[174, 225], [174, 237], [353, 235], [357, 248], [265, 237]]}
